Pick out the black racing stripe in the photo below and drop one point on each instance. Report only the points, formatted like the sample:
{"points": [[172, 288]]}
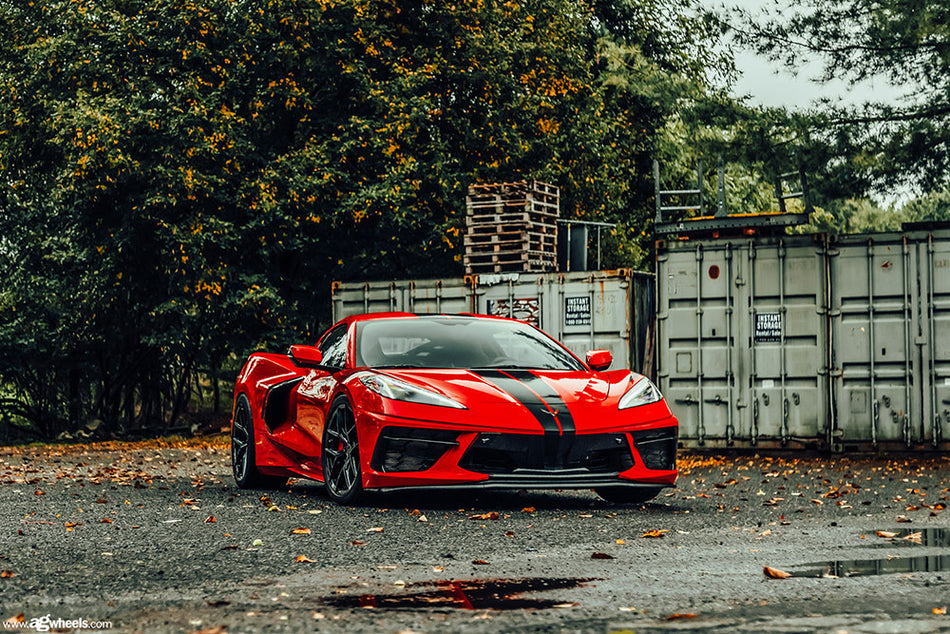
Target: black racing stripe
{"points": [[521, 393], [550, 395]]}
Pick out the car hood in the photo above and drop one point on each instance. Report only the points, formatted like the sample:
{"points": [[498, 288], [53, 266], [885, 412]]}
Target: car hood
{"points": [[500, 386], [527, 401]]}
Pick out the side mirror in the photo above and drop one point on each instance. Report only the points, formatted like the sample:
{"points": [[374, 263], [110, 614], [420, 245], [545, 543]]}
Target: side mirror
{"points": [[306, 356], [599, 360]]}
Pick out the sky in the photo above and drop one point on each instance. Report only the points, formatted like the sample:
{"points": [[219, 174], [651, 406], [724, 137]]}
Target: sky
{"points": [[770, 84]]}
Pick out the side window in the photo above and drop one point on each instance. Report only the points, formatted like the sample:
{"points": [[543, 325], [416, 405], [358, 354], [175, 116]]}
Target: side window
{"points": [[333, 347]]}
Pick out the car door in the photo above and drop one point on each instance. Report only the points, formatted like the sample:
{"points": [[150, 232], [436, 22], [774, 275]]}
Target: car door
{"points": [[318, 386]]}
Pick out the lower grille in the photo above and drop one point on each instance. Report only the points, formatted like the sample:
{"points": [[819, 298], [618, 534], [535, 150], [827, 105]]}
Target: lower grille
{"points": [[411, 448], [657, 447], [507, 453]]}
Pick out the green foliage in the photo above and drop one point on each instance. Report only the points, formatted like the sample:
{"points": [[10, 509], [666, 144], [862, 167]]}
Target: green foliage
{"points": [[874, 146], [184, 179]]}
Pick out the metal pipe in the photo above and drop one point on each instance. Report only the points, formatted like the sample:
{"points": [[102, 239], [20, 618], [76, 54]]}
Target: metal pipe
{"points": [[753, 377], [699, 340], [784, 434], [931, 310], [876, 414], [908, 343], [730, 376]]}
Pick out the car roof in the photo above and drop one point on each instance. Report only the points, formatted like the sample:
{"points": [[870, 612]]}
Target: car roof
{"points": [[396, 315]]}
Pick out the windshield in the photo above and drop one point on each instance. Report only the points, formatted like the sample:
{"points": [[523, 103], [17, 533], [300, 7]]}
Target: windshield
{"points": [[458, 342]]}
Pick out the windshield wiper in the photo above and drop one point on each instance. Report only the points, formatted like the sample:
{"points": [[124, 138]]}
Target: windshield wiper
{"points": [[396, 366]]}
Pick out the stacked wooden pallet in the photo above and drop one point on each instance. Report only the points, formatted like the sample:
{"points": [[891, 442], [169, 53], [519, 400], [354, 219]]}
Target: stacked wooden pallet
{"points": [[511, 227]]}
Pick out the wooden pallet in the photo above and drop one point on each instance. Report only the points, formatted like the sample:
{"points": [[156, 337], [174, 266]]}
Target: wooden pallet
{"points": [[508, 241], [512, 260], [511, 227], [543, 193], [490, 228], [512, 217]]}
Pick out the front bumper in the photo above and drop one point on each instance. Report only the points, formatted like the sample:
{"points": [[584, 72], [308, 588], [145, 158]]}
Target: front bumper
{"points": [[398, 453]]}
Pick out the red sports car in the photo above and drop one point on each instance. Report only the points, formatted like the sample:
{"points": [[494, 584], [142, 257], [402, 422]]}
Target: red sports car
{"points": [[395, 400]]}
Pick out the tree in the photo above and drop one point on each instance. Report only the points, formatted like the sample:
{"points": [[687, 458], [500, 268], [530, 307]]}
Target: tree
{"points": [[876, 146], [183, 181]]}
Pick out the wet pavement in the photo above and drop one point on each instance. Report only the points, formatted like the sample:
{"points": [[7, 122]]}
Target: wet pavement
{"points": [[155, 537]]}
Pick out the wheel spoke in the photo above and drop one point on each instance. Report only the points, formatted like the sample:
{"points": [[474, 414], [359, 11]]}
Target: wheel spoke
{"points": [[341, 452]]}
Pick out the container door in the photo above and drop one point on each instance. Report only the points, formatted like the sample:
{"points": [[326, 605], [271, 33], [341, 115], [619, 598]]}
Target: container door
{"points": [[784, 332], [874, 311], [437, 296], [696, 360], [449, 295], [933, 252], [593, 311], [514, 295]]}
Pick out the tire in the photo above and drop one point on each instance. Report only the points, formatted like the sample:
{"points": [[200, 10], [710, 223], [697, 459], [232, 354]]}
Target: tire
{"points": [[628, 495], [243, 454], [342, 475]]}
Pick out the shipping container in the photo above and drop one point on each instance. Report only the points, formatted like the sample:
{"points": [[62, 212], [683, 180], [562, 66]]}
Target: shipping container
{"points": [[741, 338], [841, 342], [611, 310]]}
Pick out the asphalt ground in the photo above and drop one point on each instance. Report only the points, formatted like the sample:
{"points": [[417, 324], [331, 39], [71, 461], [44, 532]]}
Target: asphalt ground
{"points": [[154, 536]]}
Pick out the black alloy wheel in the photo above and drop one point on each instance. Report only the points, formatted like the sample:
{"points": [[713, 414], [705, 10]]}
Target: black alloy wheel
{"points": [[243, 460], [341, 454]]}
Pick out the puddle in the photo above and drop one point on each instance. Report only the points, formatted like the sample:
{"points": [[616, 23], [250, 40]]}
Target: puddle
{"points": [[466, 594], [874, 567], [939, 537]]}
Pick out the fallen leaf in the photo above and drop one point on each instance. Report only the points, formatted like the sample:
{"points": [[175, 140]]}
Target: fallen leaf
{"points": [[655, 533], [218, 629], [528, 509], [484, 516], [915, 538], [564, 605], [601, 556], [620, 542], [942, 610], [257, 542], [303, 559], [300, 531], [7, 574], [105, 520], [386, 567], [903, 519], [775, 573], [886, 534], [39, 492], [230, 547], [480, 562], [678, 616], [357, 542], [72, 524], [422, 518], [211, 520], [375, 529]]}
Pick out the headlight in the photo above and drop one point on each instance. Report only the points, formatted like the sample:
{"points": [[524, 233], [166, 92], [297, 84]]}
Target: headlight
{"points": [[397, 390], [643, 392]]}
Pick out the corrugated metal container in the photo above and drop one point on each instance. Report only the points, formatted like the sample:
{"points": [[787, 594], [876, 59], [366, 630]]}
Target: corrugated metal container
{"points": [[612, 310], [741, 340], [841, 343], [890, 318], [449, 295]]}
